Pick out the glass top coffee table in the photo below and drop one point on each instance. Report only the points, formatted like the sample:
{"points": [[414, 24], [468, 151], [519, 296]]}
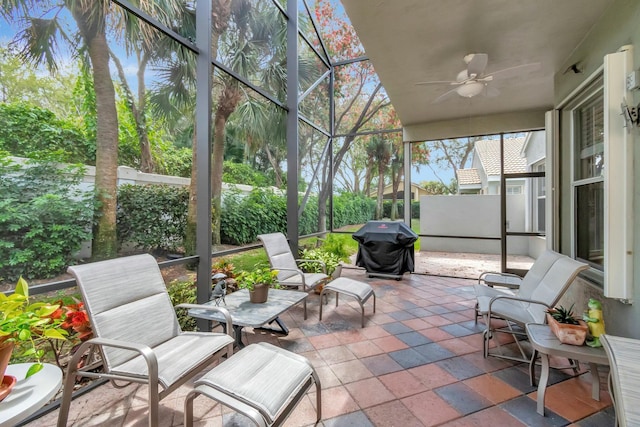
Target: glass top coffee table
{"points": [[244, 313]]}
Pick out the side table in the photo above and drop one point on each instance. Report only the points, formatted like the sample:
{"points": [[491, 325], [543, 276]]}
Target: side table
{"points": [[29, 394], [545, 343]]}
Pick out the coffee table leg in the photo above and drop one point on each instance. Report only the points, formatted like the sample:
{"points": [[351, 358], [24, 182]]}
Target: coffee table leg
{"points": [[595, 381], [283, 328], [237, 331], [542, 384]]}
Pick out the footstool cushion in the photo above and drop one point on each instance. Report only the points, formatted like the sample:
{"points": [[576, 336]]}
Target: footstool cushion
{"points": [[359, 290], [261, 381]]}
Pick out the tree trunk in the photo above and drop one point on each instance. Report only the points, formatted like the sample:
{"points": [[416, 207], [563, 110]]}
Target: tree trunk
{"points": [[137, 111], [146, 159], [227, 104], [397, 177], [104, 235], [379, 207]]}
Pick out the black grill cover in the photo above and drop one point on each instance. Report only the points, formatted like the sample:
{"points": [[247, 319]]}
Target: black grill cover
{"points": [[385, 247]]}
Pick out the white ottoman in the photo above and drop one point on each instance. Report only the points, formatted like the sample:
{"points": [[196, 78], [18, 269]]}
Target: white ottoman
{"points": [[261, 381], [359, 290]]}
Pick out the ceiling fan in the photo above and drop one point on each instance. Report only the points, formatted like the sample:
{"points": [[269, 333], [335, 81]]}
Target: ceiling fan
{"points": [[472, 81]]}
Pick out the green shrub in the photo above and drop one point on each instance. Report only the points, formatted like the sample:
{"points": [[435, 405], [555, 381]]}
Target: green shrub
{"points": [[415, 209], [242, 173], [44, 218], [183, 292], [244, 216], [335, 244], [152, 217], [351, 209], [34, 132]]}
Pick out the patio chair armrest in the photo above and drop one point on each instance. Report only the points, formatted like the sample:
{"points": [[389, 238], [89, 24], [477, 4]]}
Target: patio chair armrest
{"points": [[144, 350], [295, 270], [222, 310], [514, 298], [317, 261], [485, 273]]}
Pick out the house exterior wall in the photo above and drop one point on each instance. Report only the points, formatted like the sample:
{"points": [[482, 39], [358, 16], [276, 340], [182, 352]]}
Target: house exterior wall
{"points": [[619, 26]]}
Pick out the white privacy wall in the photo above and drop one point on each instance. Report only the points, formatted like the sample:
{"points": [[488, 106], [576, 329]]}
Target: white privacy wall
{"points": [[471, 215]]}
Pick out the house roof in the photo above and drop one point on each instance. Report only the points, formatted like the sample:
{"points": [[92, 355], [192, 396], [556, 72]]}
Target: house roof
{"points": [[488, 152], [468, 176]]}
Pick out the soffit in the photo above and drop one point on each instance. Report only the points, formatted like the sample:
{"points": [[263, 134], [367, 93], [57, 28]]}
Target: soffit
{"points": [[410, 41]]}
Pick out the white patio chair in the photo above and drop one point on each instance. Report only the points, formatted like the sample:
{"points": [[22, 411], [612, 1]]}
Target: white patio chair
{"points": [[137, 332], [624, 377], [289, 274], [542, 287], [520, 286]]}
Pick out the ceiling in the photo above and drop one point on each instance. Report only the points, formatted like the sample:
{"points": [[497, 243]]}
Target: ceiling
{"points": [[410, 41]]}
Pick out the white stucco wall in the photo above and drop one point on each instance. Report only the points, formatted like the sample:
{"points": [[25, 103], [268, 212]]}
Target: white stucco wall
{"points": [[471, 215]]}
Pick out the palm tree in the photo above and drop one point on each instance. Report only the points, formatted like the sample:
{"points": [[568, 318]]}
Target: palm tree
{"points": [[380, 151], [39, 45]]}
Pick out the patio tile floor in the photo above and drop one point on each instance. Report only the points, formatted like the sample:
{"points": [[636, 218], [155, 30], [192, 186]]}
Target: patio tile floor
{"points": [[418, 362]]}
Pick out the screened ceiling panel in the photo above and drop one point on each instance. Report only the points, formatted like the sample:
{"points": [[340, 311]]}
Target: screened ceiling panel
{"points": [[307, 29], [336, 31], [315, 105], [251, 42], [310, 67], [314, 170]]}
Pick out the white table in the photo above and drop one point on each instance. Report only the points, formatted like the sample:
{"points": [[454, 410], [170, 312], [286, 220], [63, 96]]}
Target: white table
{"points": [[546, 344], [29, 394]]}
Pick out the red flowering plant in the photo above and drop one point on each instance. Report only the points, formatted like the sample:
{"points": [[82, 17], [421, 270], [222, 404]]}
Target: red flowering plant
{"points": [[75, 321]]}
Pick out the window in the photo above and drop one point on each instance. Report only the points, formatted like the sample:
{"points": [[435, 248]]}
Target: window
{"points": [[539, 199], [588, 181], [514, 189]]}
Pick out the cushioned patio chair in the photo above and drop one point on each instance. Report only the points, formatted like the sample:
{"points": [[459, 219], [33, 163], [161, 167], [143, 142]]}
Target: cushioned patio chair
{"points": [[137, 332], [492, 284], [541, 288], [624, 377], [289, 273]]}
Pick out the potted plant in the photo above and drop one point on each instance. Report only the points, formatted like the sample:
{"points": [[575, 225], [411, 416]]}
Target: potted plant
{"points": [[331, 261], [258, 282], [568, 328], [27, 325]]}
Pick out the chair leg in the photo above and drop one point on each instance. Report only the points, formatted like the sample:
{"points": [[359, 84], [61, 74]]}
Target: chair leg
{"points": [[154, 401], [316, 379], [322, 293], [188, 408], [67, 392]]}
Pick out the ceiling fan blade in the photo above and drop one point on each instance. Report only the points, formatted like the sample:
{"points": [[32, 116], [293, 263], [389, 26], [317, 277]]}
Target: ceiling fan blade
{"points": [[448, 94], [514, 71], [436, 82], [477, 64]]}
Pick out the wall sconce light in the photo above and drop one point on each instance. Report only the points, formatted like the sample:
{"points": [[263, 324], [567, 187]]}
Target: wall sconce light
{"points": [[631, 114]]}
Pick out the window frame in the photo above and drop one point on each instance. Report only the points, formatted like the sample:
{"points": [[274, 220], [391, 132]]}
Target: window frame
{"points": [[592, 92]]}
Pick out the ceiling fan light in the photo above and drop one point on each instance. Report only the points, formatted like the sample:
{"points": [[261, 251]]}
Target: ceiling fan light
{"points": [[470, 89]]}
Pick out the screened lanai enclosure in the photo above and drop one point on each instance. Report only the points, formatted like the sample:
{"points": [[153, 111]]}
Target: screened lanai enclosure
{"points": [[261, 115]]}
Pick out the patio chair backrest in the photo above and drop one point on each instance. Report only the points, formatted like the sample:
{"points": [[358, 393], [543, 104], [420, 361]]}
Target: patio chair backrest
{"points": [[554, 284], [538, 270], [279, 253], [126, 299], [624, 377]]}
